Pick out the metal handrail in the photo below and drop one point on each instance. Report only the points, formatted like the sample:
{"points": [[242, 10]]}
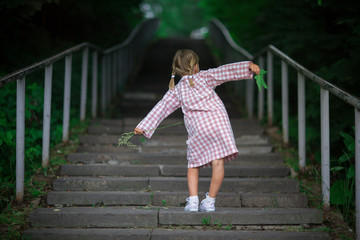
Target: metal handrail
{"points": [[116, 65], [346, 97], [229, 39], [218, 30], [42, 64]]}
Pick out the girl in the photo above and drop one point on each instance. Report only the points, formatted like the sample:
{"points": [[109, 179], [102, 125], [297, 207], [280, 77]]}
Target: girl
{"points": [[211, 140]]}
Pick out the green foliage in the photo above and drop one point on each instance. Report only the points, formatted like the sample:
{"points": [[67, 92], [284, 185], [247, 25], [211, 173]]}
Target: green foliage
{"points": [[206, 221], [178, 17], [342, 191], [260, 80]]}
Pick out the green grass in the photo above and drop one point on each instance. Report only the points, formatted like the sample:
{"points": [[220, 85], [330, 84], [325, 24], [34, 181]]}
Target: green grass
{"points": [[14, 217]]}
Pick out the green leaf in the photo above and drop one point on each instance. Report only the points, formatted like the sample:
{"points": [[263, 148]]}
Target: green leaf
{"points": [[349, 141], [351, 172], [260, 79], [336, 169], [337, 193]]}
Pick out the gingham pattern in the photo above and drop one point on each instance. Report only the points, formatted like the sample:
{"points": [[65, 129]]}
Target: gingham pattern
{"points": [[205, 117]]}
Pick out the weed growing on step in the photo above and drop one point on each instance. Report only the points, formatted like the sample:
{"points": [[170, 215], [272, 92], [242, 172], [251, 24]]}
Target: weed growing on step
{"points": [[229, 227], [164, 203], [206, 221], [148, 189], [218, 224]]}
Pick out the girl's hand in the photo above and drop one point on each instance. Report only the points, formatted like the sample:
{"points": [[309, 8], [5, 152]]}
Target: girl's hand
{"points": [[138, 131], [254, 68]]}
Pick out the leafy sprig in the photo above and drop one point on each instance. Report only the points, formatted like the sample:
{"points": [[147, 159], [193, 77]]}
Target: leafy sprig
{"points": [[124, 140], [260, 79]]}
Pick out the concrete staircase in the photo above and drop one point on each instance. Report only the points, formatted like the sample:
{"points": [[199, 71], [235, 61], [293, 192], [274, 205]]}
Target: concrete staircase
{"points": [[107, 192], [140, 195]]}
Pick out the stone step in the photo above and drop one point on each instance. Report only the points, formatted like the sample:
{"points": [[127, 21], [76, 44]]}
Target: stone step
{"points": [[240, 216], [224, 199], [166, 234], [158, 140], [123, 217], [167, 170], [90, 148], [109, 217], [264, 160], [264, 185]]}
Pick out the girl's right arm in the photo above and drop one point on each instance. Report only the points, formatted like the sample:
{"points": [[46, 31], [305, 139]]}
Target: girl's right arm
{"points": [[168, 104]]}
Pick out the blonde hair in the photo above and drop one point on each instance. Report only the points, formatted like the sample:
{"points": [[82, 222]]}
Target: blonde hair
{"points": [[183, 64]]}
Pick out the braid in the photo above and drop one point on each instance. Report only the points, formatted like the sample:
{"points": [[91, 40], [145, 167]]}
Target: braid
{"points": [[190, 77], [172, 81], [192, 63]]}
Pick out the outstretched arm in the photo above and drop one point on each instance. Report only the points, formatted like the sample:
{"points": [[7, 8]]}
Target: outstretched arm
{"points": [[230, 72], [167, 105]]}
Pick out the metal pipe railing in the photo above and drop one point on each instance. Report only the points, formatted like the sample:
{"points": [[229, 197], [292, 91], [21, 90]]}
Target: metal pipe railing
{"points": [[126, 55], [218, 32]]}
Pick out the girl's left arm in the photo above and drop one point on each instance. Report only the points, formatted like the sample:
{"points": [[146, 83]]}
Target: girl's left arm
{"points": [[230, 72], [167, 105]]}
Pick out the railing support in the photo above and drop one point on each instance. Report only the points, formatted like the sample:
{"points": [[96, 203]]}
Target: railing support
{"points": [[250, 98], [94, 85], [261, 93], [270, 93], [47, 115], [114, 75], [67, 97], [285, 101], [301, 121], [84, 73], [20, 138], [325, 147], [108, 79], [357, 171], [103, 85]]}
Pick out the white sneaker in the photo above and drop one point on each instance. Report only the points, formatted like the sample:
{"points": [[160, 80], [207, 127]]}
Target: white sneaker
{"points": [[208, 204], [192, 204]]}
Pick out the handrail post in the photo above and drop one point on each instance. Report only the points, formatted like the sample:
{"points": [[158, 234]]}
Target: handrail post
{"points": [[250, 97], [20, 138], [285, 101], [108, 78], [94, 85], [67, 97], [103, 85], [114, 75], [85, 57], [301, 121], [325, 147], [261, 93], [47, 115], [357, 171], [270, 93]]}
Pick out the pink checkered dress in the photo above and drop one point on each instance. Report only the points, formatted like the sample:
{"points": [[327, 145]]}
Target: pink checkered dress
{"points": [[205, 117]]}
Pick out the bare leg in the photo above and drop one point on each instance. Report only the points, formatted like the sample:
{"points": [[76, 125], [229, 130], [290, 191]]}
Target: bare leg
{"points": [[217, 177], [193, 181]]}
